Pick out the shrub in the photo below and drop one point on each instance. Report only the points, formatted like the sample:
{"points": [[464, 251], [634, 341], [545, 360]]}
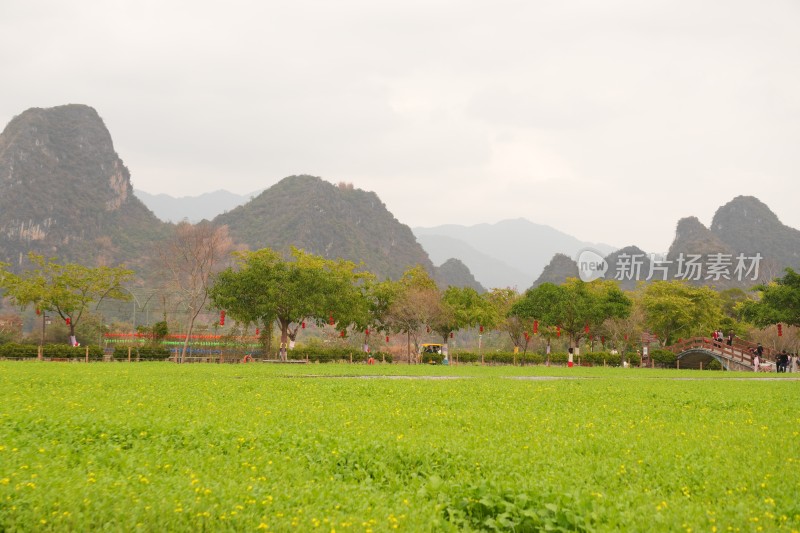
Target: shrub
{"points": [[141, 353], [663, 358], [316, 354], [51, 351]]}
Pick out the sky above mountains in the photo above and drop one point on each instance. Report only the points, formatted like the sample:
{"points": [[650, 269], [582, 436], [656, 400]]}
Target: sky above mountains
{"points": [[607, 120]]}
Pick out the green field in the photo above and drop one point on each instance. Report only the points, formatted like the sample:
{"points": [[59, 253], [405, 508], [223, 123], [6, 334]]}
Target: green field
{"points": [[164, 447]]}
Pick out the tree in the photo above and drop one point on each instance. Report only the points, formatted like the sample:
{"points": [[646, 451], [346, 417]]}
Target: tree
{"points": [[623, 332], [516, 327], [189, 260], [575, 306], [68, 290], [459, 308], [415, 305], [676, 309], [264, 288], [779, 302]]}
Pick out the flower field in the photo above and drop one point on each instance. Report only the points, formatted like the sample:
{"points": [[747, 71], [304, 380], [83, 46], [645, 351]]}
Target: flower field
{"points": [[164, 447]]}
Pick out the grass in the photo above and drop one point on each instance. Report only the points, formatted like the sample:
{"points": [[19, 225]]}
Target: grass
{"points": [[158, 446]]}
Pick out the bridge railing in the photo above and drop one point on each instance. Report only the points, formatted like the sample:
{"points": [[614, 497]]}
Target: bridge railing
{"points": [[740, 350]]}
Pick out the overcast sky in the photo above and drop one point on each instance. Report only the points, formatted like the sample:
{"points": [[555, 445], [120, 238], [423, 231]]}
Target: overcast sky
{"points": [[608, 120]]}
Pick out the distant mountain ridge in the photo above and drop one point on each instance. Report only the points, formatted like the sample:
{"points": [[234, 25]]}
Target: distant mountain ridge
{"points": [[746, 241], [66, 193], [193, 208], [516, 248]]}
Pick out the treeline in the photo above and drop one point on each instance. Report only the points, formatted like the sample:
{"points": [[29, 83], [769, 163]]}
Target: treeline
{"points": [[259, 289]]}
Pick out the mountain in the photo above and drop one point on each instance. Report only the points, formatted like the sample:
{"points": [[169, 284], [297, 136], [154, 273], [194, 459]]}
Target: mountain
{"points": [[492, 272], [518, 248], [560, 267], [193, 208], [748, 226], [328, 220], [65, 192], [454, 272], [629, 265]]}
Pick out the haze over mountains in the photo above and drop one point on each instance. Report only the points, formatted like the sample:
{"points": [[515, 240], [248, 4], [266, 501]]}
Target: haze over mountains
{"points": [[65, 193], [510, 253]]}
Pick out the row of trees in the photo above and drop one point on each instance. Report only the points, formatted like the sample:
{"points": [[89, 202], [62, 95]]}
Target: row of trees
{"points": [[262, 288]]}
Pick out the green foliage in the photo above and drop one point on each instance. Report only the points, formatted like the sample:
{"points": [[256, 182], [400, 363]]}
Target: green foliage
{"points": [[779, 302], [676, 309], [460, 308], [486, 506], [265, 287], [246, 447], [663, 358], [68, 290], [141, 353], [333, 355], [160, 330], [574, 305], [51, 351]]}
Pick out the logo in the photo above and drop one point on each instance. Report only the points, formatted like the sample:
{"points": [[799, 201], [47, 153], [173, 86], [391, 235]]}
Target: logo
{"points": [[591, 265]]}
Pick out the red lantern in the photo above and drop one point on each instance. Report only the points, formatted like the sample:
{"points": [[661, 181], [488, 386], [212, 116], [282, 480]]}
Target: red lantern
{"points": [[481, 328], [535, 327], [451, 334], [526, 336], [341, 334], [780, 330], [367, 332], [38, 311], [258, 332], [586, 329], [387, 338], [428, 329], [330, 320], [68, 320], [303, 324], [603, 339], [626, 336], [558, 331], [222, 318]]}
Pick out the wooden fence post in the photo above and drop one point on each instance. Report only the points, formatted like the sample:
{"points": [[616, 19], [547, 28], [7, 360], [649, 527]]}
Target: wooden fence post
{"points": [[129, 354], [87, 354]]}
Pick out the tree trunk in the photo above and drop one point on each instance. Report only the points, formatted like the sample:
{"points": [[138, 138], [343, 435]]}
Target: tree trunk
{"points": [[186, 340], [284, 324]]}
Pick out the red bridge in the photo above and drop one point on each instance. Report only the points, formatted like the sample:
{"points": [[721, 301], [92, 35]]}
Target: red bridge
{"points": [[698, 352]]}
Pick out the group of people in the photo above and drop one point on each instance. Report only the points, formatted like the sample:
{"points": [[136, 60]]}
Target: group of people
{"points": [[784, 361], [718, 337]]}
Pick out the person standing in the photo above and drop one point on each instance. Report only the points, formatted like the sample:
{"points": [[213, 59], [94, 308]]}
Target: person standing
{"points": [[757, 353]]}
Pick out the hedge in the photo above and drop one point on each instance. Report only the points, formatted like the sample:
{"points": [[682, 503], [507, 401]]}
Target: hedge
{"points": [[664, 358], [51, 351], [329, 355], [141, 353]]}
